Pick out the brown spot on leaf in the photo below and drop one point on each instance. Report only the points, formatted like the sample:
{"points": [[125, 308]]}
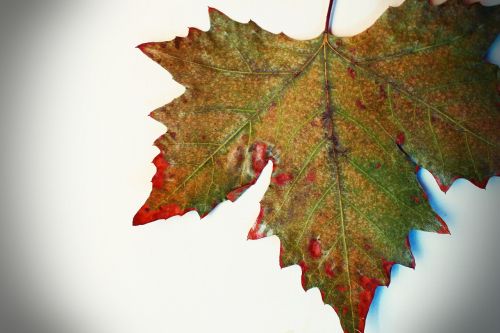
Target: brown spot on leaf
{"points": [[360, 105], [311, 176]]}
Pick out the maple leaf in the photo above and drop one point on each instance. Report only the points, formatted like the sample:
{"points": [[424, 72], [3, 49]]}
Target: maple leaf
{"points": [[346, 121]]}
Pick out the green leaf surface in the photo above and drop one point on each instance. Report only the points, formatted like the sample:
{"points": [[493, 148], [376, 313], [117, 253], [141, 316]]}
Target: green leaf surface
{"points": [[346, 122]]}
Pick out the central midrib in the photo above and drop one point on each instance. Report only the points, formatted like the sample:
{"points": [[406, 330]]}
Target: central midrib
{"points": [[333, 155]]}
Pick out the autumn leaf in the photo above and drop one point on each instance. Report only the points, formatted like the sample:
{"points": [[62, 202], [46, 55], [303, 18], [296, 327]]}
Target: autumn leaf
{"points": [[346, 121]]}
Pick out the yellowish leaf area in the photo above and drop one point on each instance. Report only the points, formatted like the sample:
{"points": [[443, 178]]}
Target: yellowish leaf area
{"points": [[347, 121]]}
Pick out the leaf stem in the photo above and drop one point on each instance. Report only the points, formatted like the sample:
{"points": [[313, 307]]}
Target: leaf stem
{"points": [[328, 16]]}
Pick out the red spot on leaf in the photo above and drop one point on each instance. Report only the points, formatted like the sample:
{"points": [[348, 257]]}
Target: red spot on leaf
{"points": [[426, 197], [378, 165], [304, 268], [344, 310], [329, 270], [315, 248], [177, 42], [271, 108], [240, 155], [255, 233], [360, 105], [282, 179], [146, 215], [316, 122], [235, 194], [351, 72], [341, 288], [259, 157], [382, 92], [275, 163], [311, 176], [400, 139]]}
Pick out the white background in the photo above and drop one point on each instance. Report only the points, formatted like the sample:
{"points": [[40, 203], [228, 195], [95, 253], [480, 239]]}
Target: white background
{"points": [[77, 146]]}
